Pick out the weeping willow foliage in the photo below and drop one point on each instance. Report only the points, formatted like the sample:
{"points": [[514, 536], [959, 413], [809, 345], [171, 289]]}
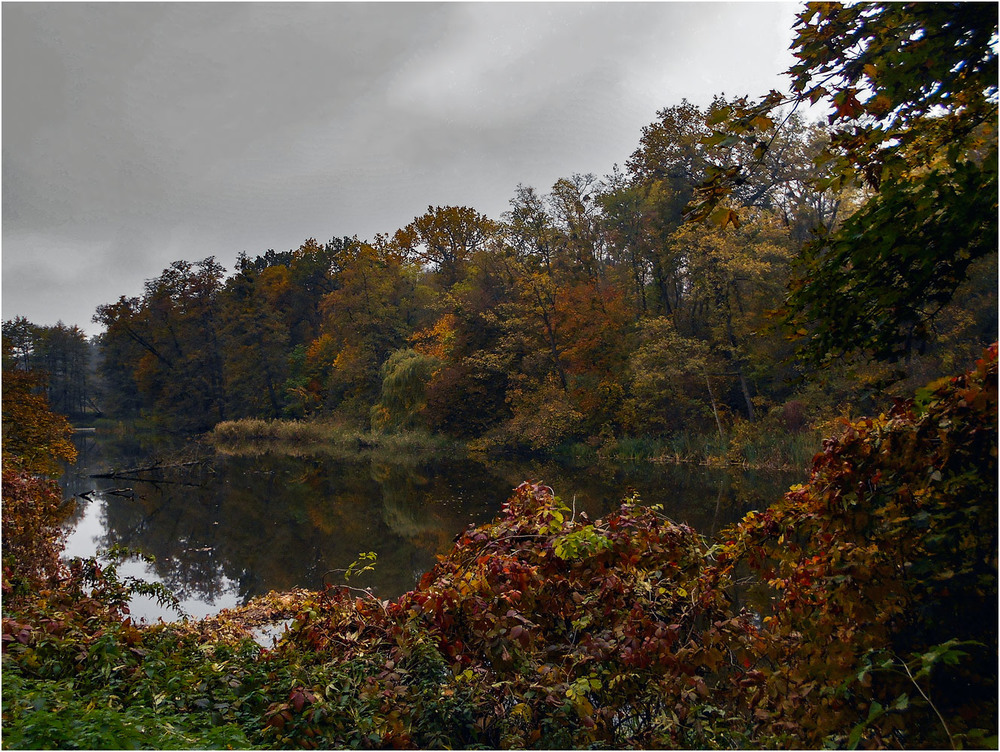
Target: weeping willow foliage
{"points": [[404, 389]]}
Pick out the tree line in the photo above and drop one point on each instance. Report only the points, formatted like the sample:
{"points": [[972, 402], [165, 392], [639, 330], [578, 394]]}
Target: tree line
{"points": [[833, 260], [594, 306], [62, 356]]}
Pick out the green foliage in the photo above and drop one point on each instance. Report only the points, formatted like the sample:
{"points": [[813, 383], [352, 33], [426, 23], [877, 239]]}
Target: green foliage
{"points": [[582, 542], [78, 674], [404, 384], [53, 715], [919, 237], [913, 98], [364, 563]]}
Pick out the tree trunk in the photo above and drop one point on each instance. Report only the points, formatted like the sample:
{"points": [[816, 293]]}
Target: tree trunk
{"points": [[715, 410]]}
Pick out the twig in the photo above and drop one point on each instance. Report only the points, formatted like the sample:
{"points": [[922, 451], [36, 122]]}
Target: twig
{"points": [[920, 689], [155, 466]]}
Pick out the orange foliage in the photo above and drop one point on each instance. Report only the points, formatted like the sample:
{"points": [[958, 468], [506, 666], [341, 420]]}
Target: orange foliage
{"points": [[32, 538], [438, 339], [34, 438]]}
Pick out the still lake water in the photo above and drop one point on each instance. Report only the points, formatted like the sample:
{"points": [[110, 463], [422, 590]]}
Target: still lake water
{"points": [[233, 528]]}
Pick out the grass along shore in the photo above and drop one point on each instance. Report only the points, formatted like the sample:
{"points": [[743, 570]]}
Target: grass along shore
{"points": [[750, 446], [253, 436]]}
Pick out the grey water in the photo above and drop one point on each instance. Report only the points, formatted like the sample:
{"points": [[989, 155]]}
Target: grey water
{"points": [[227, 528]]}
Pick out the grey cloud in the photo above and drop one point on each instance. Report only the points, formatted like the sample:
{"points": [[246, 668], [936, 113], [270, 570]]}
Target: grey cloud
{"points": [[138, 133]]}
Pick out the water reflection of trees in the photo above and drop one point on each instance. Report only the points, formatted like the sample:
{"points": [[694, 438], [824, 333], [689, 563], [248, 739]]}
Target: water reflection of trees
{"points": [[279, 523], [276, 523]]}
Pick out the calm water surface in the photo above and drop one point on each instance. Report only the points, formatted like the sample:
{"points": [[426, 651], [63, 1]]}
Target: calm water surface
{"points": [[233, 528]]}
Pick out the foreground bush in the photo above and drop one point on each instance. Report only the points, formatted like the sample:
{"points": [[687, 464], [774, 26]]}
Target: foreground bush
{"points": [[875, 625], [32, 540], [542, 629], [881, 579]]}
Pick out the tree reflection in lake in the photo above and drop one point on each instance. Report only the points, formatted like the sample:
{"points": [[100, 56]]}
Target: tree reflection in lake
{"points": [[237, 527]]}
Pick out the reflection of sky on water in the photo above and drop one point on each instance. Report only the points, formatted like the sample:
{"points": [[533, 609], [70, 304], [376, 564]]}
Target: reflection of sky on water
{"points": [[237, 527], [86, 538]]}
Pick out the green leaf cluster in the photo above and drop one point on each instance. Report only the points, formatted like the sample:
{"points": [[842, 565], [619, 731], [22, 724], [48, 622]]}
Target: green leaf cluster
{"points": [[911, 89]]}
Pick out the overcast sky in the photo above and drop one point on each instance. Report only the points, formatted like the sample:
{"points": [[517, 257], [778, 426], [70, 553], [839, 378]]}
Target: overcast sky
{"points": [[137, 134]]}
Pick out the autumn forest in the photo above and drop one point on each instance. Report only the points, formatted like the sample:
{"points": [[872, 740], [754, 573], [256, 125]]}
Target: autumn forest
{"points": [[789, 281], [589, 312]]}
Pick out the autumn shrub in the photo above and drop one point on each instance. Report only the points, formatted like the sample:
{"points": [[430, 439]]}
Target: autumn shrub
{"points": [[465, 401], [542, 629], [34, 438], [32, 539], [874, 590], [668, 385], [878, 579], [35, 441], [542, 419]]}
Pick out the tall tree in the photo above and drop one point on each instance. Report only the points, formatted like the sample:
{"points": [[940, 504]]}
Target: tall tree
{"points": [[20, 337], [912, 94], [367, 316], [256, 339], [733, 278], [62, 357], [174, 330], [63, 353], [575, 210], [444, 239]]}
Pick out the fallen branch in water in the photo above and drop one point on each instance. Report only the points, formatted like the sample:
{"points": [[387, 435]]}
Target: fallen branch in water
{"points": [[136, 473], [129, 473]]}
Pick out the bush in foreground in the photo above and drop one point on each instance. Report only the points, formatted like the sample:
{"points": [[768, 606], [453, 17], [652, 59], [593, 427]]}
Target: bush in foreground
{"points": [[875, 625], [880, 579]]}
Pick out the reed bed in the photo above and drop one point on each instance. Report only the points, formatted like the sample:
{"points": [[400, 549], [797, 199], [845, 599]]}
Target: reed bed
{"points": [[253, 436]]}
